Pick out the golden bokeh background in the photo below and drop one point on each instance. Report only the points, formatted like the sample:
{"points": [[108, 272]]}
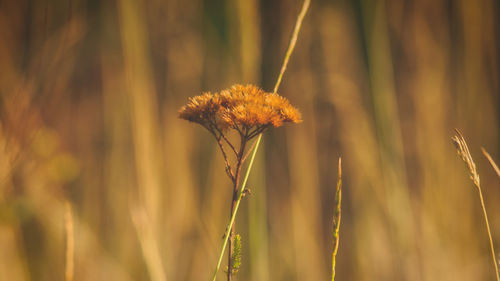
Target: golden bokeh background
{"points": [[89, 93]]}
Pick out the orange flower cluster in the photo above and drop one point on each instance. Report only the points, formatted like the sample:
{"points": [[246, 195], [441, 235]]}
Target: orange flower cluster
{"points": [[241, 108]]}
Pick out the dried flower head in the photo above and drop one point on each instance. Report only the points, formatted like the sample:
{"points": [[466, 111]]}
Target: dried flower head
{"points": [[247, 109]]}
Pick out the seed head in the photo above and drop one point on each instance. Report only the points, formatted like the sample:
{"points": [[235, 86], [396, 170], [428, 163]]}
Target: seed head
{"points": [[240, 107], [464, 153]]}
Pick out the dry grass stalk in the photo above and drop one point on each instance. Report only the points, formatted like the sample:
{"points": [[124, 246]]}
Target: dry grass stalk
{"points": [[492, 163], [70, 242], [464, 153], [336, 219], [293, 41]]}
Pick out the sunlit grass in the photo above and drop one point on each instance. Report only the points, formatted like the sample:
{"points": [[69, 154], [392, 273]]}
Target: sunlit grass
{"points": [[89, 93]]}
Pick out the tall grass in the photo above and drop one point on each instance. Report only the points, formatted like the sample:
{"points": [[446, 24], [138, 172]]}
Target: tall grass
{"points": [[88, 98]]}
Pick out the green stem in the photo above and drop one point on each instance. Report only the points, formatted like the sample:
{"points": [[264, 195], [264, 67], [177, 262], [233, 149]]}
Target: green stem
{"points": [[233, 216]]}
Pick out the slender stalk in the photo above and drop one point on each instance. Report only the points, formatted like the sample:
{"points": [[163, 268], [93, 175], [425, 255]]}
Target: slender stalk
{"points": [[250, 150], [231, 239], [492, 163], [464, 153], [497, 170], [229, 171], [235, 204], [293, 41], [492, 248], [225, 139], [336, 219]]}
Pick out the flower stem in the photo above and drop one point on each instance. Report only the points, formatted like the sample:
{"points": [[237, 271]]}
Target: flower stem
{"points": [[236, 206], [236, 181], [291, 47], [231, 238]]}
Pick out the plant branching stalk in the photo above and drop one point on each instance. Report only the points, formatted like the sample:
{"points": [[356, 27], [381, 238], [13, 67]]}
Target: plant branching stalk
{"points": [[249, 152], [226, 140], [239, 162], [236, 206], [229, 171], [238, 193]]}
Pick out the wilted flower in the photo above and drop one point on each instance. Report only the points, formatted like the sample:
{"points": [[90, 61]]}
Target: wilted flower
{"points": [[247, 109]]}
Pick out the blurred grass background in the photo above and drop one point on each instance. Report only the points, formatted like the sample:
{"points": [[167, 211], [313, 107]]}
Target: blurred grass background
{"points": [[89, 92]]}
